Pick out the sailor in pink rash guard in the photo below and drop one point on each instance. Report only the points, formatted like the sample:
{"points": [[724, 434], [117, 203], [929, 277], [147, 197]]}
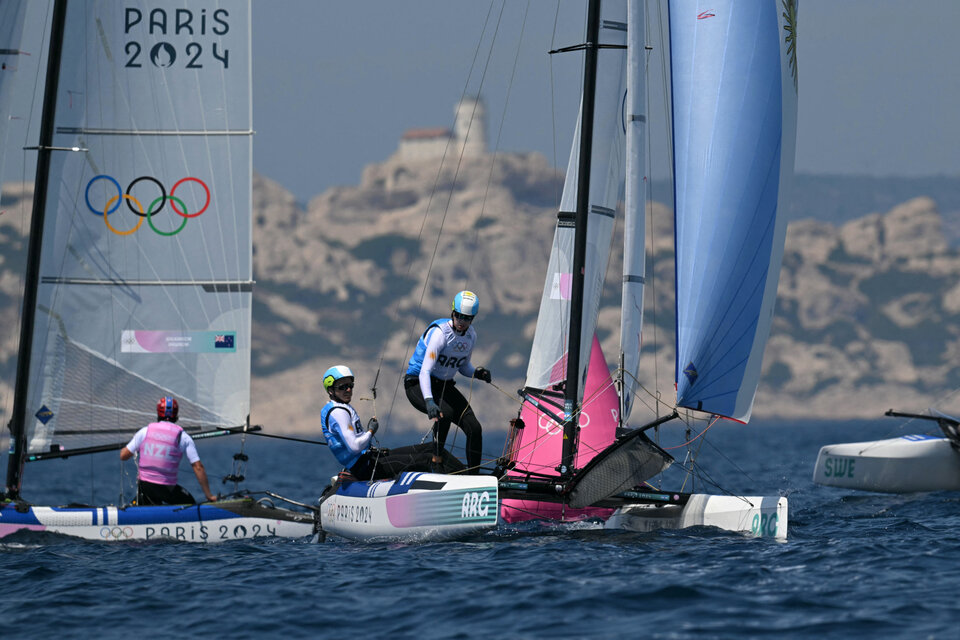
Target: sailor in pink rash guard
{"points": [[161, 445]]}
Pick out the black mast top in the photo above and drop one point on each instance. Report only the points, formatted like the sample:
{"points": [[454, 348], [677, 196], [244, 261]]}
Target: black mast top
{"points": [[18, 421], [571, 397]]}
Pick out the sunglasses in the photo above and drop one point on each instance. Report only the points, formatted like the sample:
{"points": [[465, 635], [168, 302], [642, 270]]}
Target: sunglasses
{"points": [[462, 317], [343, 386]]}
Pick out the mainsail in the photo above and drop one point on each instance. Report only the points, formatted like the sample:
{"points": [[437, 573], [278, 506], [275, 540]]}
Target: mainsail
{"points": [[734, 118], [146, 266], [548, 356]]}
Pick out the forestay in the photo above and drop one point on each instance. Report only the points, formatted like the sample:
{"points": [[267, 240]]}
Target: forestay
{"points": [[145, 269], [734, 116]]}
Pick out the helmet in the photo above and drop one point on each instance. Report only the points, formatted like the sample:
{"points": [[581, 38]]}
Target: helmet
{"points": [[466, 303], [333, 374], [168, 409]]}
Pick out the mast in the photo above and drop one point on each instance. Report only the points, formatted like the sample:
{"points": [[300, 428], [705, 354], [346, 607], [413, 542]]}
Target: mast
{"points": [[572, 386], [32, 277]]}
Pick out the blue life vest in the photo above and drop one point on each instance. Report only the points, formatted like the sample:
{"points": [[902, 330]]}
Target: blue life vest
{"points": [[331, 432], [454, 354]]}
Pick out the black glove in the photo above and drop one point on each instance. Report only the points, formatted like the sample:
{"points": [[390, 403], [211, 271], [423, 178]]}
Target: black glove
{"points": [[373, 425], [433, 411], [481, 374]]}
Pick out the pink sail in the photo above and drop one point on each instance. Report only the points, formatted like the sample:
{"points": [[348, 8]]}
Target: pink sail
{"points": [[539, 445]]}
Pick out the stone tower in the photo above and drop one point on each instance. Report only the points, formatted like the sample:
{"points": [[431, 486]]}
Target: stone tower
{"points": [[473, 137]]}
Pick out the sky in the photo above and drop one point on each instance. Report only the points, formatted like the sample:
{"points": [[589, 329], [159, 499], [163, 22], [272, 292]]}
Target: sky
{"points": [[336, 84]]}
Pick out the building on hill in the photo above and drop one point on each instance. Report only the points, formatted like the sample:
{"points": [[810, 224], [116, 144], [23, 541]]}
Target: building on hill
{"points": [[469, 135]]}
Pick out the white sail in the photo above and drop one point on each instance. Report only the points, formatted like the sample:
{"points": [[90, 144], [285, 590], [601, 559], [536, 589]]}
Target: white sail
{"points": [[635, 205], [12, 15], [146, 266], [548, 357]]}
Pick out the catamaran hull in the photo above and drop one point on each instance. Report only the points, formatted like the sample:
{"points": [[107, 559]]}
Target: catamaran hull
{"points": [[898, 465], [208, 523], [764, 517], [416, 507]]}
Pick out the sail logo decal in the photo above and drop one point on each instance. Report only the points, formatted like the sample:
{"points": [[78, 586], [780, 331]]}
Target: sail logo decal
{"points": [[112, 203], [703, 15], [790, 26], [553, 428], [562, 286], [146, 341], [691, 372], [43, 414], [184, 27]]}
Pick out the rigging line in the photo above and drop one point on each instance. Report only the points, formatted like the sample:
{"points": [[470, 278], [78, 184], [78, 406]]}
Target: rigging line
{"points": [[414, 321], [496, 146], [691, 440]]}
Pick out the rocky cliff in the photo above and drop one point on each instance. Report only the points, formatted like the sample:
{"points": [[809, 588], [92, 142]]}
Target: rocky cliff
{"points": [[868, 315]]}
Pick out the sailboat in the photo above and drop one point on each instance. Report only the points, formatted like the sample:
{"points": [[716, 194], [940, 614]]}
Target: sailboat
{"points": [[139, 275], [733, 114], [906, 464]]}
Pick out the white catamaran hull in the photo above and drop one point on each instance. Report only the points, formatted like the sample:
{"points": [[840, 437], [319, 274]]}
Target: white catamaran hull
{"points": [[764, 517], [416, 507], [226, 520], [898, 465]]}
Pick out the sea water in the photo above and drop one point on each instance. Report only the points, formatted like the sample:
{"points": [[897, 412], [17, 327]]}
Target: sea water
{"points": [[855, 565]]}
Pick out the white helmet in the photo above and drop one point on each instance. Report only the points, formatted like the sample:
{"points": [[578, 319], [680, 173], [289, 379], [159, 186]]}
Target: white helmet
{"points": [[335, 373], [466, 303]]}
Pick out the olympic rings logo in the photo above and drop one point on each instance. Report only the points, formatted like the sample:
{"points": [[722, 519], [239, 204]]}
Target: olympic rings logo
{"points": [[116, 533], [552, 428], [113, 203]]}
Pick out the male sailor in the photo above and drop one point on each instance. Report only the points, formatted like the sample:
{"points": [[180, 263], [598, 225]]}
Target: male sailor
{"points": [[444, 349], [161, 445], [349, 442]]}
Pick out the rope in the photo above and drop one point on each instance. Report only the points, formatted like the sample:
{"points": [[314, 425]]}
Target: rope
{"points": [[396, 307]]}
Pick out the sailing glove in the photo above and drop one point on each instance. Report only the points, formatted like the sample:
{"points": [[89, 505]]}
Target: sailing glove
{"points": [[481, 374], [433, 411], [373, 425]]}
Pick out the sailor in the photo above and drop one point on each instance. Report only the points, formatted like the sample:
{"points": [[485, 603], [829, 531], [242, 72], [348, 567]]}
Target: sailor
{"points": [[444, 349], [161, 445], [349, 442]]}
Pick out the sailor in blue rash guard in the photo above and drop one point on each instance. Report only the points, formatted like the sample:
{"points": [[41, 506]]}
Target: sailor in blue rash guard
{"points": [[443, 350], [349, 442]]}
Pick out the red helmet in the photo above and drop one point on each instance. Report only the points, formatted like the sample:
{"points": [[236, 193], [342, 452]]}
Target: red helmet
{"points": [[167, 409]]}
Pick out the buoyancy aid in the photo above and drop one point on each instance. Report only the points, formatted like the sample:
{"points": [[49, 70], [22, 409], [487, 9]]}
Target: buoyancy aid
{"points": [[160, 453], [331, 432]]}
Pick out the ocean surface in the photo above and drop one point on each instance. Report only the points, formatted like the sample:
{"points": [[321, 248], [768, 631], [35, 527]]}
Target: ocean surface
{"points": [[855, 565]]}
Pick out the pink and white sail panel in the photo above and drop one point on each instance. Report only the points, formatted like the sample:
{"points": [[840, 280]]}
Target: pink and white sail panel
{"points": [[539, 445]]}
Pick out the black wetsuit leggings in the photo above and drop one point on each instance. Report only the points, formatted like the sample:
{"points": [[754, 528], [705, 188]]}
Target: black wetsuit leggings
{"points": [[149, 493], [455, 409]]}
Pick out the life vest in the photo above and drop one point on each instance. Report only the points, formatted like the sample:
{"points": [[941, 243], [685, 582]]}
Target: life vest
{"points": [[454, 354], [331, 432], [160, 453]]}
